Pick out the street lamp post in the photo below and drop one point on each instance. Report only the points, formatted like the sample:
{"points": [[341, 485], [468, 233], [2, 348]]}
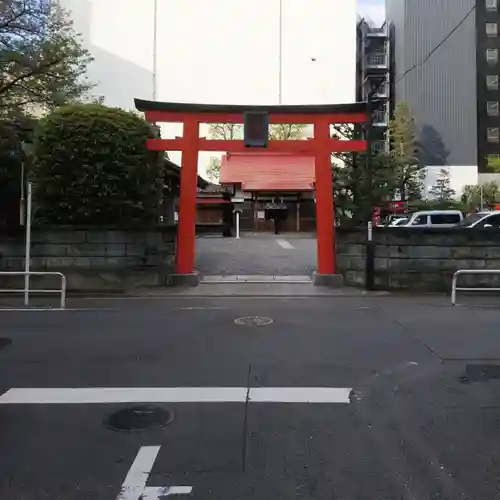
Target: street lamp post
{"points": [[26, 147], [371, 86], [280, 55], [370, 247]]}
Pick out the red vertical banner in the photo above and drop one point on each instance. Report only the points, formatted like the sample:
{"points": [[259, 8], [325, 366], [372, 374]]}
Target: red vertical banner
{"points": [[325, 220]]}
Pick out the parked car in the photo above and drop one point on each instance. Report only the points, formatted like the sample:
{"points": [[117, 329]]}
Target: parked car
{"points": [[434, 218], [482, 220]]}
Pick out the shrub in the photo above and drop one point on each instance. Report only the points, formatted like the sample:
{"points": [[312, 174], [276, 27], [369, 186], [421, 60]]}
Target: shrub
{"points": [[91, 166]]}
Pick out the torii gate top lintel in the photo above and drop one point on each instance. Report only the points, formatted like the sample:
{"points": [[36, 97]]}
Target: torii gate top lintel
{"points": [[219, 113], [189, 107]]}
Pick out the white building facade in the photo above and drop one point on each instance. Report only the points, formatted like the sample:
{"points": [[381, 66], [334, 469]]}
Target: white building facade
{"points": [[219, 51]]}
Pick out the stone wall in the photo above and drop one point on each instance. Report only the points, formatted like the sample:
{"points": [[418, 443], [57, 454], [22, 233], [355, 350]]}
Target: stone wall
{"points": [[92, 258], [419, 259]]}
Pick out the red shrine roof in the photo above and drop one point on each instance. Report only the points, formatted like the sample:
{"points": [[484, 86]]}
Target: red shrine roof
{"points": [[268, 171]]}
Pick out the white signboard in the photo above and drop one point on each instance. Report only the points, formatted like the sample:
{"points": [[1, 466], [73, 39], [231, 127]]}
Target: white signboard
{"points": [[261, 214]]}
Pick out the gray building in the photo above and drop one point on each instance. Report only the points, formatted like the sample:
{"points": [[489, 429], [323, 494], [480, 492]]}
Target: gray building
{"points": [[445, 91], [373, 57]]}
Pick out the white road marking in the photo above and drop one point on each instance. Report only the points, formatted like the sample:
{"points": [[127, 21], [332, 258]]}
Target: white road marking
{"points": [[125, 395], [285, 244], [153, 493], [137, 476], [56, 309], [176, 395], [299, 395], [134, 486]]}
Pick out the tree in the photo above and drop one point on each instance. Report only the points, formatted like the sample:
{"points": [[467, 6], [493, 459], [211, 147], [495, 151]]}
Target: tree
{"points": [[354, 197], [213, 169], [441, 191], [408, 170], [42, 62], [432, 148], [474, 195], [284, 131], [231, 131], [92, 166], [225, 131]]}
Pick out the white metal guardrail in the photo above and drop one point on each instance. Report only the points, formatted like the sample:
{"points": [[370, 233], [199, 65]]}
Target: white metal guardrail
{"points": [[27, 290], [27, 260], [455, 289]]}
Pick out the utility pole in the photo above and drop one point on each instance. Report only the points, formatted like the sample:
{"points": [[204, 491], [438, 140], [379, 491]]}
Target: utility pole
{"points": [[280, 56], [370, 247], [155, 48]]}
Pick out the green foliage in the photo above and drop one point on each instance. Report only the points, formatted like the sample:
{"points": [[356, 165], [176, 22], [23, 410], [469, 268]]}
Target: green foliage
{"points": [[353, 195], [493, 164], [474, 195], [42, 61], [13, 133], [442, 191], [419, 205], [408, 170], [92, 167]]}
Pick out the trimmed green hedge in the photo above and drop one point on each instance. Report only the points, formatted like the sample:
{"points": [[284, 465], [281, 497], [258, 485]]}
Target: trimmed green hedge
{"points": [[91, 166]]}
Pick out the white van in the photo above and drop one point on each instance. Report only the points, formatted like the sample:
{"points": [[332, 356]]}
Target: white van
{"points": [[435, 218]]}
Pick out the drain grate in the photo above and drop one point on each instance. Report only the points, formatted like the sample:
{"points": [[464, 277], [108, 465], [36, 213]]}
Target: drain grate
{"points": [[253, 321], [139, 418]]}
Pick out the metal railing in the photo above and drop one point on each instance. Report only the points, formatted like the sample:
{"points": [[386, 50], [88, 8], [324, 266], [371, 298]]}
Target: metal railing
{"points": [[455, 289], [27, 290]]}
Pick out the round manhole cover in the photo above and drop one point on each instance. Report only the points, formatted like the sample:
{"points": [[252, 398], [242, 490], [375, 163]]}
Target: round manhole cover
{"points": [[253, 321], [5, 342], [139, 418]]}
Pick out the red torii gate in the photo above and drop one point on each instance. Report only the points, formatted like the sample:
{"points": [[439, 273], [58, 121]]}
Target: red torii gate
{"points": [[320, 146]]}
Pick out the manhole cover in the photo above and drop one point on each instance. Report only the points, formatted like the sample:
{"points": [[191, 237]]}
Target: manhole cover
{"points": [[253, 321], [139, 418], [4, 342]]}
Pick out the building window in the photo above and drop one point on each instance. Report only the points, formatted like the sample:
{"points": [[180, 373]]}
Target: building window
{"points": [[492, 29], [492, 56], [492, 108], [492, 82], [491, 5], [493, 134]]}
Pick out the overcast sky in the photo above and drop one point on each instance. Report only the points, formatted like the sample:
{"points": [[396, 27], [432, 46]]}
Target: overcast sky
{"points": [[374, 9]]}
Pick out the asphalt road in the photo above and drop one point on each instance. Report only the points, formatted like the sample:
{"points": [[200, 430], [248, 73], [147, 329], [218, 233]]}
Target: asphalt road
{"points": [[399, 400]]}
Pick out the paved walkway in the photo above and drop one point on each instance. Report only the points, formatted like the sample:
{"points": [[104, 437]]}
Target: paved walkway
{"points": [[265, 254]]}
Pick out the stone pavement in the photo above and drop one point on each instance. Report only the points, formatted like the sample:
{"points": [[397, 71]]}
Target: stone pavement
{"points": [[334, 398], [256, 253]]}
